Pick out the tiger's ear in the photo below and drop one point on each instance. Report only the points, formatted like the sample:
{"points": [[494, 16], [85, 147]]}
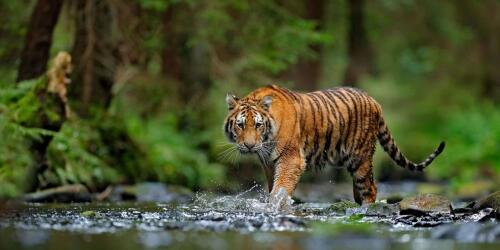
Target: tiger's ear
{"points": [[231, 101], [266, 102]]}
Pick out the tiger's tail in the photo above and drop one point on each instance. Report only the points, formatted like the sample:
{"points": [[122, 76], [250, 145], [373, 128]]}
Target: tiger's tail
{"points": [[387, 142]]}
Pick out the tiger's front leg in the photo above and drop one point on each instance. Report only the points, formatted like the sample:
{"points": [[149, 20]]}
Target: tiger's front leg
{"points": [[288, 170]]}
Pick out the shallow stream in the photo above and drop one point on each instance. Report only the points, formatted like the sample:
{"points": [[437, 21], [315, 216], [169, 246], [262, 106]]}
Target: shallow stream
{"points": [[242, 221]]}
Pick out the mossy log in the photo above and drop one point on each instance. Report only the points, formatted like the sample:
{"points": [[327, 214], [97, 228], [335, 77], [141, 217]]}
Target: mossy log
{"points": [[44, 106]]}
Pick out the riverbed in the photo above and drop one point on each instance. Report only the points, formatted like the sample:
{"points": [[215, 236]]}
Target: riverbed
{"points": [[243, 221]]}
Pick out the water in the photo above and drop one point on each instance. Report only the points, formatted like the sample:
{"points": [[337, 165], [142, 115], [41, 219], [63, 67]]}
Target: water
{"points": [[244, 221]]}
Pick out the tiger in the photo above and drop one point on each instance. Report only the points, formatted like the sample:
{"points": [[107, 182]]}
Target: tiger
{"points": [[293, 131]]}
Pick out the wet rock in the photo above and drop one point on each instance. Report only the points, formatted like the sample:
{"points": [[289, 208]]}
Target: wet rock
{"points": [[424, 220], [122, 193], [394, 199], [65, 194], [341, 207], [89, 213], [469, 232], [487, 214], [382, 209], [490, 201], [424, 204]]}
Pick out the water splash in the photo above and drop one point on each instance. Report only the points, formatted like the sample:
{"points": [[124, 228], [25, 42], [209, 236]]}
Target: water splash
{"points": [[255, 200], [281, 202]]}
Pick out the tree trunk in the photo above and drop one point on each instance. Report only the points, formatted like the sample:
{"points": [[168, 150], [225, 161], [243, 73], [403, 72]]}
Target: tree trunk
{"points": [[306, 73], [95, 55], [188, 66], [481, 19], [359, 50], [171, 54], [36, 49], [49, 98]]}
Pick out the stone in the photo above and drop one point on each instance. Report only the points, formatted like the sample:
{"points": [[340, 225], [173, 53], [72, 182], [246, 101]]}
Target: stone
{"points": [[490, 201], [425, 204], [382, 209], [341, 207]]}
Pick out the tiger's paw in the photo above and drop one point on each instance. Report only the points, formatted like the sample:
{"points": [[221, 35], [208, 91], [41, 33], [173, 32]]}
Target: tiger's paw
{"points": [[280, 201]]}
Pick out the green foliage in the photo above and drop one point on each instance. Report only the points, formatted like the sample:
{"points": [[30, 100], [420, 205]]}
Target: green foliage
{"points": [[15, 157], [77, 154], [14, 16], [473, 144], [174, 155]]}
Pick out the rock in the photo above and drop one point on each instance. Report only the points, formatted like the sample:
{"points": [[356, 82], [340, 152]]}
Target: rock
{"points": [[468, 232], [122, 193], [382, 209], [89, 214], [68, 193], [341, 207], [424, 204], [490, 201], [394, 199]]}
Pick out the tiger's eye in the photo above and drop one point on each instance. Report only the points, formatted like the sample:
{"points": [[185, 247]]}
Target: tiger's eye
{"points": [[258, 124]]}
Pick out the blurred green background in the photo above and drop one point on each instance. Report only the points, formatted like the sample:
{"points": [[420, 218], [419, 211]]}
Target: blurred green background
{"points": [[150, 79]]}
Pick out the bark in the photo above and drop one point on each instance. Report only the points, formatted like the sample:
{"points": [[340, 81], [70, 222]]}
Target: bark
{"points": [[359, 50], [35, 53], [307, 72], [482, 20], [95, 55], [189, 66], [171, 54]]}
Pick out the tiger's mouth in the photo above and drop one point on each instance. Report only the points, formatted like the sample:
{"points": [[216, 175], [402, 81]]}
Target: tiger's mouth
{"points": [[245, 148]]}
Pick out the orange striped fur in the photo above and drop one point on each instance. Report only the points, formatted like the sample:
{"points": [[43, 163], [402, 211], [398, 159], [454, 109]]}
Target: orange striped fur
{"points": [[292, 131]]}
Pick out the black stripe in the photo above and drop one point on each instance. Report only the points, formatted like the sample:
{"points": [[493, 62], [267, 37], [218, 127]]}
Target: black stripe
{"points": [[355, 101], [339, 119], [319, 107], [384, 141], [347, 126], [284, 92], [411, 166], [366, 192]]}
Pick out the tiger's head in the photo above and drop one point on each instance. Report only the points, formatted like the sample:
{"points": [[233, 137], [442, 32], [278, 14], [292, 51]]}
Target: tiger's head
{"points": [[249, 124]]}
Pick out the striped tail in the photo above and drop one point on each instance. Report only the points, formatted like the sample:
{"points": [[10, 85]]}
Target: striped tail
{"points": [[387, 142]]}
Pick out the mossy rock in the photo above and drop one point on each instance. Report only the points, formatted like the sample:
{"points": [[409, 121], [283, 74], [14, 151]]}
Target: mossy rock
{"points": [[89, 214], [425, 204], [341, 206], [382, 209], [490, 201]]}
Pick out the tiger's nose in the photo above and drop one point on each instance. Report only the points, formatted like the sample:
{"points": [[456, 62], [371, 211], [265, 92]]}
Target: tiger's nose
{"points": [[249, 145]]}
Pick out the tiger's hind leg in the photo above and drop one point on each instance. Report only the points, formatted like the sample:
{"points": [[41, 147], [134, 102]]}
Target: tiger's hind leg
{"points": [[364, 188]]}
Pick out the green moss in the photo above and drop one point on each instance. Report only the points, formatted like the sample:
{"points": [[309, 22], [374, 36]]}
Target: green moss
{"points": [[341, 206], [90, 214]]}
